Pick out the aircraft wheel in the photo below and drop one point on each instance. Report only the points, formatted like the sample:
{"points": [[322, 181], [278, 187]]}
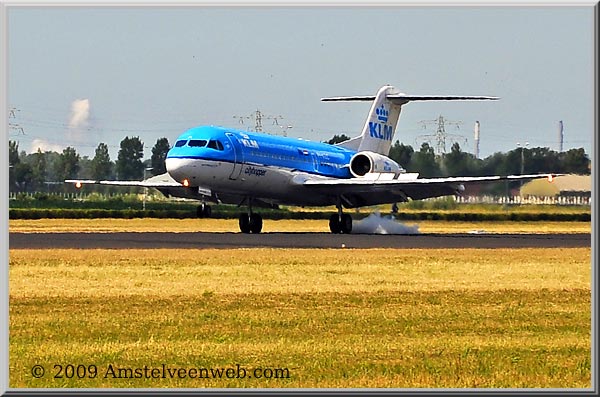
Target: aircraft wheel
{"points": [[346, 224], [255, 223], [334, 224], [203, 211], [244, 223]]}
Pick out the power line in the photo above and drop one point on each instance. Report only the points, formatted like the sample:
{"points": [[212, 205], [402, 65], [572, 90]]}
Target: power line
{"points": [[440, 134], [258, 118], [12, 114]]}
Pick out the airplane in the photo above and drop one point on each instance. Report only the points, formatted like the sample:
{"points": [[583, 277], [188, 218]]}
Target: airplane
{"points": [[225, 165]]}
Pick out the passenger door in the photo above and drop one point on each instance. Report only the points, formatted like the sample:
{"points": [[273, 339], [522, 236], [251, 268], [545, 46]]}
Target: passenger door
{"points": [[238, 156]]}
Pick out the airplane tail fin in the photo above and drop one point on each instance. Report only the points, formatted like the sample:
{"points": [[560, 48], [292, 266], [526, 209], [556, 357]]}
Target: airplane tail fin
{"points": [[379, 129]]}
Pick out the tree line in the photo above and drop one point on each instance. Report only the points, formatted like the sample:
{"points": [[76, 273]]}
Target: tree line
{"points": [[458, 163], [33, 172]]}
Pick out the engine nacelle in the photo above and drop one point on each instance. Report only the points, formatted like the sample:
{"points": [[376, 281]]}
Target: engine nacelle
{"points": [[363, 163]]}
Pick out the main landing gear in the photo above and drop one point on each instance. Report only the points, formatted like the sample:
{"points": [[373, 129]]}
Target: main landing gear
{"points": [[340, 222], [249, 221], [203, 211]]}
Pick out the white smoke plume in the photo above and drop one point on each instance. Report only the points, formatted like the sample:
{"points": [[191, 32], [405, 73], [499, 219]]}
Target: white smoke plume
{"points": [[80, 113], [377, 224], [45, 146]]}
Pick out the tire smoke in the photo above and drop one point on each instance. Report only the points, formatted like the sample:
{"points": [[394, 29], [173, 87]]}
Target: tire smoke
{"points": [[378, 224]]}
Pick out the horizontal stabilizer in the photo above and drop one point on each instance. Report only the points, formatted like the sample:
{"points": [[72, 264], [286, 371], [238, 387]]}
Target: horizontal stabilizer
{"points": [[409, 98], [349, 98]]}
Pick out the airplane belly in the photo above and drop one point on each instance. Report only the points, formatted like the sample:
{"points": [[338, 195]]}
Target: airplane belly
{"points": [[276, 185], [268, 183], [260, 181]]}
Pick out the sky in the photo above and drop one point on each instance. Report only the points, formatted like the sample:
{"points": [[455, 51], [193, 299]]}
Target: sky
{"points": [[78, 76]]}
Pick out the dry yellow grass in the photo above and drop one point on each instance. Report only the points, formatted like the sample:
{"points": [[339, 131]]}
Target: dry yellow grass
{"points": [[231, 225], [377, 318], [168, 272]]}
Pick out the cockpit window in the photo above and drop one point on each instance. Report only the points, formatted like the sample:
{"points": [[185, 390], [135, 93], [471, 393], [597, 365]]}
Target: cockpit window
{"points": [[217, 145], [197, 143], [180, 143]]}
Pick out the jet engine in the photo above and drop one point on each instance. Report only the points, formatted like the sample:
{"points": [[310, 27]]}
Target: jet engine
{"points": [[363, 163]]}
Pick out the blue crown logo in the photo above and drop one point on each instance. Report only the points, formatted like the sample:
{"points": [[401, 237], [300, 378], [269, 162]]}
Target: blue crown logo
{"points": [[382, 114]]}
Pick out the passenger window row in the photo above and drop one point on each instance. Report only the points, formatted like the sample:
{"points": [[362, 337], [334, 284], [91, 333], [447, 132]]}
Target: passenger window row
{"points": [[280, 156]]}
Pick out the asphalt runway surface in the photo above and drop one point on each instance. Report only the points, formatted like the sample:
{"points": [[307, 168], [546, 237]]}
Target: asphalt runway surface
{"points": [[292, 240]]}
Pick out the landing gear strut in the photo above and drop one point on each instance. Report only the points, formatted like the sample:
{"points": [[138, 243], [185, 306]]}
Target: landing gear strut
{"points": [[250, 222], [340, 222], [203, 211]]}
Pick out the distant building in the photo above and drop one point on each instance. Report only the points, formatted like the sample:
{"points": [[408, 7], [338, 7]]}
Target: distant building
{"points": [[561, 186]]}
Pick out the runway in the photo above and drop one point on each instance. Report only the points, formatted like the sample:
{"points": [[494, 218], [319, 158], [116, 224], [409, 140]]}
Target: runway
{"points": [[291, 240]]}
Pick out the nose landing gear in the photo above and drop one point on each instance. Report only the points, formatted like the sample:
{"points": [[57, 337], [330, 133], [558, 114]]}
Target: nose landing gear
{"points": [[203, 211]]}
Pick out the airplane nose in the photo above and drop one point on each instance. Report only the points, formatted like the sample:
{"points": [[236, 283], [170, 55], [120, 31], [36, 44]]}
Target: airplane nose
{"points": [[175, 168]]}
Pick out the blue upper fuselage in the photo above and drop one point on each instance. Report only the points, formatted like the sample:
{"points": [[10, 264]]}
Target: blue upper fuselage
{"points": [[235, 146]]}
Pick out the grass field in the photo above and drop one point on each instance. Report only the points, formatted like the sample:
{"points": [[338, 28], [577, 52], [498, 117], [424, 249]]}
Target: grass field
{"points": [[379, 318], [231, 225]]}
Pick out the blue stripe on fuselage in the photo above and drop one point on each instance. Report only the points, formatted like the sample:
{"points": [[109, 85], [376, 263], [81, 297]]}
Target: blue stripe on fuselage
{"points": [[252, 147]]}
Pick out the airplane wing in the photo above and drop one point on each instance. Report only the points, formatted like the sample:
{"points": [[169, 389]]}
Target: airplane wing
{"points": [[146, 183], [382, 188], [163, 183], [170, 187], [158, 181]]}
